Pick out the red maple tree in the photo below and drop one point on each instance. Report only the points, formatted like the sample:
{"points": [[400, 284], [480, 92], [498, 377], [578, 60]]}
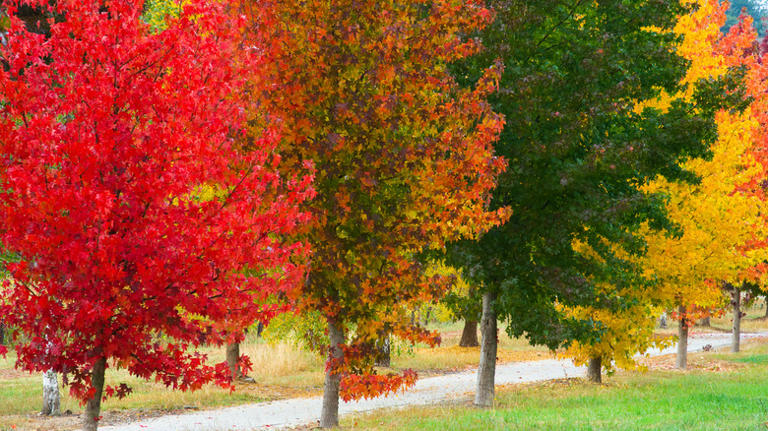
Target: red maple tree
{"points": [[142, 225]]}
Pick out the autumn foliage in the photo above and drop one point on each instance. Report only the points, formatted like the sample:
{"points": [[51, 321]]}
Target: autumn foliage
{"points": [[172, 171], [720, 218], [113, 138], [403, 155]]}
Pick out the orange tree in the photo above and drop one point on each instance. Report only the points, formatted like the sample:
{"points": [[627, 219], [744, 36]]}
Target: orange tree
{"points": [[404, 159]]}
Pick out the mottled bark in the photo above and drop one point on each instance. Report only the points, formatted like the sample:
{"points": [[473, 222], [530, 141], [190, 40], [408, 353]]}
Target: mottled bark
{"points": [[469, 334], [486, 373], [233, 360], [736, 334], [384, 357], [329, 416], [595, 370], [51, 395], [93, 406], [682, 339]]}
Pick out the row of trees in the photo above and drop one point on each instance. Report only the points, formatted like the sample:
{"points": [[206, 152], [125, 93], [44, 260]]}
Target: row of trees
{"points": [[718, 246], [173, 172]]}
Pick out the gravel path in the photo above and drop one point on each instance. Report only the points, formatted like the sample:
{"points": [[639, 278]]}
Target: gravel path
{"points": [[302, 411]]}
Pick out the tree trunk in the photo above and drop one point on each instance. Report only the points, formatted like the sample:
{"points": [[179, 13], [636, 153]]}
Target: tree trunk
{"points": [[736, 302], [682, 342], [486, 372], [93, 407], [233, 360], [51, 396], [594, 370], [705, 322], [384, 358], [469, 334], [663, 321], [766, 307], [329, 417], [2, 334]]}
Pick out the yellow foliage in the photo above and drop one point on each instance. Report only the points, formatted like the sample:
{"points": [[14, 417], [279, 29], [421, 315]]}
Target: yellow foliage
{"points": [[629, 332], [460, 288], [700, 31], [717, 221], [158, 11]]}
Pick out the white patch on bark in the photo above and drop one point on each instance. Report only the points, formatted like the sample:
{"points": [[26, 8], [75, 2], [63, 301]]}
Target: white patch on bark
{"points": [[51, 396]]}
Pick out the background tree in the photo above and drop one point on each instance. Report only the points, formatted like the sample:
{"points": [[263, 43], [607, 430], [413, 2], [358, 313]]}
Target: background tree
{"points": [[403, 155], [715, 220], [109, 137], [718, 220], [465, 303], [579, 149], [754, 8], [628, 330]]}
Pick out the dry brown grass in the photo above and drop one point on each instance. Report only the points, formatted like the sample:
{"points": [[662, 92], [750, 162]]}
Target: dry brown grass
{"points": [[281, 370]]}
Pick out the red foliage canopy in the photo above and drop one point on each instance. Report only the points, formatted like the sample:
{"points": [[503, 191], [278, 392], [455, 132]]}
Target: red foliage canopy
{"points": [[141, 225]]}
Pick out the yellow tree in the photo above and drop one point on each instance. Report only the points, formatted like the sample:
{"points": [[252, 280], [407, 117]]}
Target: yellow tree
{"points": [[715, 220]]}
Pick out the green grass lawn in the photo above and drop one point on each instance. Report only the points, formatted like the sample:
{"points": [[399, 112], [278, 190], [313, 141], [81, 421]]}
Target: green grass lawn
{"points": [[660, 400]]}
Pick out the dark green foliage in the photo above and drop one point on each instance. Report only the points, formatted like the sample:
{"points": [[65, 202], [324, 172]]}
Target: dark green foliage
{"points": [[464, 305], [578, 152]]}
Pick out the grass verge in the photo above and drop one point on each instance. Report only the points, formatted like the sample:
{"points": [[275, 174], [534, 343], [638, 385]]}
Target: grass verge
{"points": [[281, 370], [698, 400]]}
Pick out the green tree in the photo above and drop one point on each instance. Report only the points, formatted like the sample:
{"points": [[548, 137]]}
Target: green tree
{"points": [[579, 150]]}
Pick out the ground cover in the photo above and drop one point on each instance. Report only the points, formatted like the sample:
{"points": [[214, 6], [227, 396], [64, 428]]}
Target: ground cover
{"points": [[281, 370], [721, 391]]}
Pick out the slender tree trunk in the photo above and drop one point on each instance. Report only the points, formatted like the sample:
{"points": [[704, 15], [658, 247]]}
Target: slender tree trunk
{"points": [[663, 320], [93, 407], [486, 373], [2, 334], [736, 302], [384, 358], [233, 360], [682, 342], [594, 370], [469, 334], [705, 322], [765, 304], [51, 396], [329, 417], [259, 329], [426, 318]]}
